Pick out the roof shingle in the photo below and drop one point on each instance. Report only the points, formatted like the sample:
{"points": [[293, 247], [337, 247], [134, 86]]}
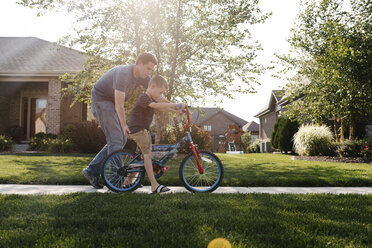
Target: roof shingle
{"points": [[30, 55]]}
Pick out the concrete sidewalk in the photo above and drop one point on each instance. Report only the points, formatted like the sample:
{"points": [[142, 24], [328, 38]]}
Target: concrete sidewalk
{"points": [[26, 189]]}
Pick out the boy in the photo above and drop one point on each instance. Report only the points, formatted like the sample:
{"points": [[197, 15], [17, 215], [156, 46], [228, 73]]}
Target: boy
{"points": [[140, 119]]}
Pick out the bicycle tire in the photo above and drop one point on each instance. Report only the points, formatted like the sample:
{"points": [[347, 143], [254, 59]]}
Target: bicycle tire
{"points": [[195, 182], [111, 174]]}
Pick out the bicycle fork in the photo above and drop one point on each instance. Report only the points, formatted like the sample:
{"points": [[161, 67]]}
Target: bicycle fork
{"points": [[196, 153]]}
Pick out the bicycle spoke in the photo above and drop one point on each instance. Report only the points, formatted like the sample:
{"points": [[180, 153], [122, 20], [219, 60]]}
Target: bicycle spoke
{"points": [[206, 181]]}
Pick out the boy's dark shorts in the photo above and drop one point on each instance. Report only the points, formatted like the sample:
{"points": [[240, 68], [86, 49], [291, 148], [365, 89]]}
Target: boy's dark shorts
{"points": [[143, 140]]}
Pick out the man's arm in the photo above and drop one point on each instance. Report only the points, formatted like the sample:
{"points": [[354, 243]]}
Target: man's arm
{"points": [[119, 107]]}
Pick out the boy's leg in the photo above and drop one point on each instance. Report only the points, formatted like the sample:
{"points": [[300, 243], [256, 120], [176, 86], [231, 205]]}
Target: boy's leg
{"points": [[150, 171]]}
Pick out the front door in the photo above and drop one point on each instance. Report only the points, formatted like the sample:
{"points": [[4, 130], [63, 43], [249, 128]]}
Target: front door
{"points": [[33, 117]]}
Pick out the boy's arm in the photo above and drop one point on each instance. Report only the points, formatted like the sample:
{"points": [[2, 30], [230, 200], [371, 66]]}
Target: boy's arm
{"points": [[161, 100], [168, 107]]}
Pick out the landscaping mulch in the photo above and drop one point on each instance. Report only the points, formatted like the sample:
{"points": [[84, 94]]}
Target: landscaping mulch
{"points": [[331, 159]]}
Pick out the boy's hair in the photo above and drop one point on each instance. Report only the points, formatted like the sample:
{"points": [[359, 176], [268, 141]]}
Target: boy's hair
{"points": [[146, 58], [158, 81]]}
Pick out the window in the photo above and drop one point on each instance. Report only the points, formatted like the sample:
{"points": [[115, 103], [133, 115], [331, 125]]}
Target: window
{"points": [[208, 128], [84, 111]]}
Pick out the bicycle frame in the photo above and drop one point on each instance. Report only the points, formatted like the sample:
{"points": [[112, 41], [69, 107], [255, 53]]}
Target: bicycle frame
{"points": [[172, 149]]}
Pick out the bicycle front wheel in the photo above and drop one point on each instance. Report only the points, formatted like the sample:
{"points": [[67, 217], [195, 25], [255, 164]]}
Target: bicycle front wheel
{"points": [[209, 180], [118, 175]]}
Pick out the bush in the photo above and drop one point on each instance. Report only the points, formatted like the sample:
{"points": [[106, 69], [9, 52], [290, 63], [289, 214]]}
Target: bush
{"points": [[37, 142], [6, 143], [58, 145], [87, 136], [255, 146], [15, 132], [349, 148], [312, 140], [246, 139], [282, 135], [200, 137], [367, 153], [354, 148]]}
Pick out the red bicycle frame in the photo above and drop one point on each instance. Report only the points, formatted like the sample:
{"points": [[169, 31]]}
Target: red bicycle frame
{"points": [[193, 148]]}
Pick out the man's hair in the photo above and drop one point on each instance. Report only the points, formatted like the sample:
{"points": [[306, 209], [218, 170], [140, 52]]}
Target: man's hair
{"points": [[158, 81], [146, 58]]}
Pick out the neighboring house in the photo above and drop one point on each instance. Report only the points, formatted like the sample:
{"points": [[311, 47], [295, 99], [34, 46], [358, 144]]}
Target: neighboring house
{"points": [[254, 129], [216, 121], [270, 113], [30, 88]]}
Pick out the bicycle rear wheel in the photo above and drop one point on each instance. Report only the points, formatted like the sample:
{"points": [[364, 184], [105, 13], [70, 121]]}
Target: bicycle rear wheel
{"points": [[206, 182], [118, 176]]}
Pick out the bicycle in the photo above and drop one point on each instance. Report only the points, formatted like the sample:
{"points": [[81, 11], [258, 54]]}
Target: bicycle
{"points": [[200, 171]]}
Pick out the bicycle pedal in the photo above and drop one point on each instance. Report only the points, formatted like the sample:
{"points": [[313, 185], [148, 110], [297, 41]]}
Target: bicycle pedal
{"points": [[165, 168]]}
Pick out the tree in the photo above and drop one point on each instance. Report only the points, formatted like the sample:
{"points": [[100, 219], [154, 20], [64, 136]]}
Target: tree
{"points": [[332, 47], [283, 132], [204, 48]]}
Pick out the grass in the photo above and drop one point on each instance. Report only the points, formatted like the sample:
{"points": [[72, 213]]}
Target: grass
{"points": [[185, 220], [240, 170]]}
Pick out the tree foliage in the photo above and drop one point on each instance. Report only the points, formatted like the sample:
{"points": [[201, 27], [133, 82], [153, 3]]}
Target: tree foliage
{"points": [[204, 48], [331, 46]]}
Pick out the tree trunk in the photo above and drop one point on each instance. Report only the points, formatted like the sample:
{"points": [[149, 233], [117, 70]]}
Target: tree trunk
{"points": [[163, 118], [342, 138], [335, 126], [352, 124], [161, 122]]}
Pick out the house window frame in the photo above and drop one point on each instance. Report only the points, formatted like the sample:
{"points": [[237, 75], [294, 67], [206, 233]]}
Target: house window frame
{"points": [[208, 127]]}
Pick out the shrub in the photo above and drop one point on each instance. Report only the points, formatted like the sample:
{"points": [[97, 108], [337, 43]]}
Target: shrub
{"points": [[87, 136], [59, 145], [349, 148], [282, 135], [6, 143], [367, 153], [200, 137], [37, 142], [255, 146], [312, 140], [15, 132], [354, 148], [246, 139]]}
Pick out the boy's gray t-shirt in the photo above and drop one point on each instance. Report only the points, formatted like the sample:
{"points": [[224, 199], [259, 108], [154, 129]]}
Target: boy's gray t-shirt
{"points": [[118, 78]]}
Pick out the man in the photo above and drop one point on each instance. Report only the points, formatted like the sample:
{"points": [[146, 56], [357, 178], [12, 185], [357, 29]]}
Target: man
{"points": [[108, 96]]}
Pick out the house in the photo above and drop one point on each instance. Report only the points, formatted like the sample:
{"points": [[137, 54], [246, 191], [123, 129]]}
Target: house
{"points": [[254, 130], [30, 88], [216, 121], [270, 113]]}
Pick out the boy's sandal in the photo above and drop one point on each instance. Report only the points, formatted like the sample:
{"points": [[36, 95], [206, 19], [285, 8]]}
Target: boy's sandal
{"points": [[160, 189]]}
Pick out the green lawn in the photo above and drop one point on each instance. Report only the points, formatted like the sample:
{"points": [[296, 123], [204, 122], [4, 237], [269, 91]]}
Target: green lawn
{"points": [[185, 220], [240, 170]]}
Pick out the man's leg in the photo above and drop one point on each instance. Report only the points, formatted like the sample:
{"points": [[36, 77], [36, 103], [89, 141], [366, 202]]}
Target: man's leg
{"points": [[106, 115]]}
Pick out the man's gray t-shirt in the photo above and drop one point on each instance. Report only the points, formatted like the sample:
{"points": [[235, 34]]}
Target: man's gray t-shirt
{"points": [[118, 78]]}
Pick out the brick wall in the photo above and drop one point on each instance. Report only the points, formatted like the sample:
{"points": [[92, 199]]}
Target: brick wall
{"points": [[70, 114], [53, 116]]}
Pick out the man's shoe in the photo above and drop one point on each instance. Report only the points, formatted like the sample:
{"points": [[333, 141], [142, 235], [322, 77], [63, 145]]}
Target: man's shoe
{"points": [[94, 181]]}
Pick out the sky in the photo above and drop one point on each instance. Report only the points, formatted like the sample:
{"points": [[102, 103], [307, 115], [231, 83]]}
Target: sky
{"points": [[19, 21]]}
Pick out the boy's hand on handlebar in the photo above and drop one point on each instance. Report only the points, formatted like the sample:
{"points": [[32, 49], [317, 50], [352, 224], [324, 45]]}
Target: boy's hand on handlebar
{"points": [[181, 106]]}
